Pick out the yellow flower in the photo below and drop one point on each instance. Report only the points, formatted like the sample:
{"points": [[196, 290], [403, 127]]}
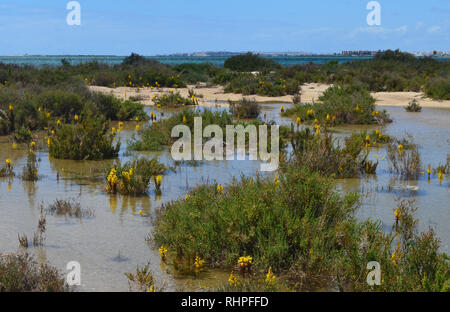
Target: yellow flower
{"points": [[152, 289], [245, 261], [429, 169], [440, 175], [140, 212], [159, 180], [187, 196], [276, 181], [76, 118], [198, 263], [220, 188], [137, 118], [377, 132], [184, 119], [397, 213], [14, 146], [400, 148], [328, 117], [138, 127], [232, 280], [357, 108], [11, 108], [33, 144], [113, 130], [162, 252], [270, 278], [298, 121], [49, 141], [58, 122], [8, 162], [282, 108]]}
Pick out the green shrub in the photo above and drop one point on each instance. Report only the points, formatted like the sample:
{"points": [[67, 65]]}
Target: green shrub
{"points": [[438, 88], [22, 273], [133, 178], [413, 106], [173, 99], [250, 62], [88, 139], [341, 105]]}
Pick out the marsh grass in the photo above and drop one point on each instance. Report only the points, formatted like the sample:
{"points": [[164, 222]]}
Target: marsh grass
{"points": [[134, 177], [30, 170], [323, 154], [245, 108], [142, 280], [405, 162], [69, 208]]}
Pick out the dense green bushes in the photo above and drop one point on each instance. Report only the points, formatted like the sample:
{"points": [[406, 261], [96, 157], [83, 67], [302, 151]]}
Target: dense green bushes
{"points": [[88, 138], [299, 226], [341, 105], [250, 62]]}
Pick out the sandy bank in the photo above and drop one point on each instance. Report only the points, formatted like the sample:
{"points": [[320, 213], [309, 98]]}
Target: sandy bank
{"points": [[310, 92]]}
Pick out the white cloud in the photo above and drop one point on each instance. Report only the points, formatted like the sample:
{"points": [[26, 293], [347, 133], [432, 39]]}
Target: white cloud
{"points": [[434, 29], [379, 31]]}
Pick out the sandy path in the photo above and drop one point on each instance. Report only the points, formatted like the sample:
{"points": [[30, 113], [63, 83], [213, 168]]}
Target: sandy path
{"points": [[310, 92]]}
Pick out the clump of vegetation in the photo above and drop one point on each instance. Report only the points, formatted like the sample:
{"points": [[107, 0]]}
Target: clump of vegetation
{"points": [[39, 235], [69, 209], [157, 135], [30, 170], [8, 169], [250, 62], [142, 280], [413, 107], [133, 177], [270, 84], [405, 162], [174, 99], [320, 153], [245, 108], [22, 273], [87, 138], [438, 88], [341, 105], [298, 224]]}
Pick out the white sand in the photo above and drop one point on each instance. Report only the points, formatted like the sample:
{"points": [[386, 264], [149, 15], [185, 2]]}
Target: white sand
{"points": [[310, 92]]}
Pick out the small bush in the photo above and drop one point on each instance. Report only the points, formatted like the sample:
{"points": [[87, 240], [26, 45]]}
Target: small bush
{"points": [[405, 162], [22, 273], [413, 107], [245, 108], [87, 139], [133, 178]]}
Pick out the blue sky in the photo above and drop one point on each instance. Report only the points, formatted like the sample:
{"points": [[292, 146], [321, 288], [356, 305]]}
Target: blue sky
{"points": [[152, 27]]}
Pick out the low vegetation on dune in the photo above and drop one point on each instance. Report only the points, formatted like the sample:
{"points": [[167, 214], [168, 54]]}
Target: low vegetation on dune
{"points": [[250, 62], [341, 105]]}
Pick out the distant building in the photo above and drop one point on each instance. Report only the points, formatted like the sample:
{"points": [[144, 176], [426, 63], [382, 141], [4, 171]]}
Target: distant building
{"points": [[359, 53]]}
